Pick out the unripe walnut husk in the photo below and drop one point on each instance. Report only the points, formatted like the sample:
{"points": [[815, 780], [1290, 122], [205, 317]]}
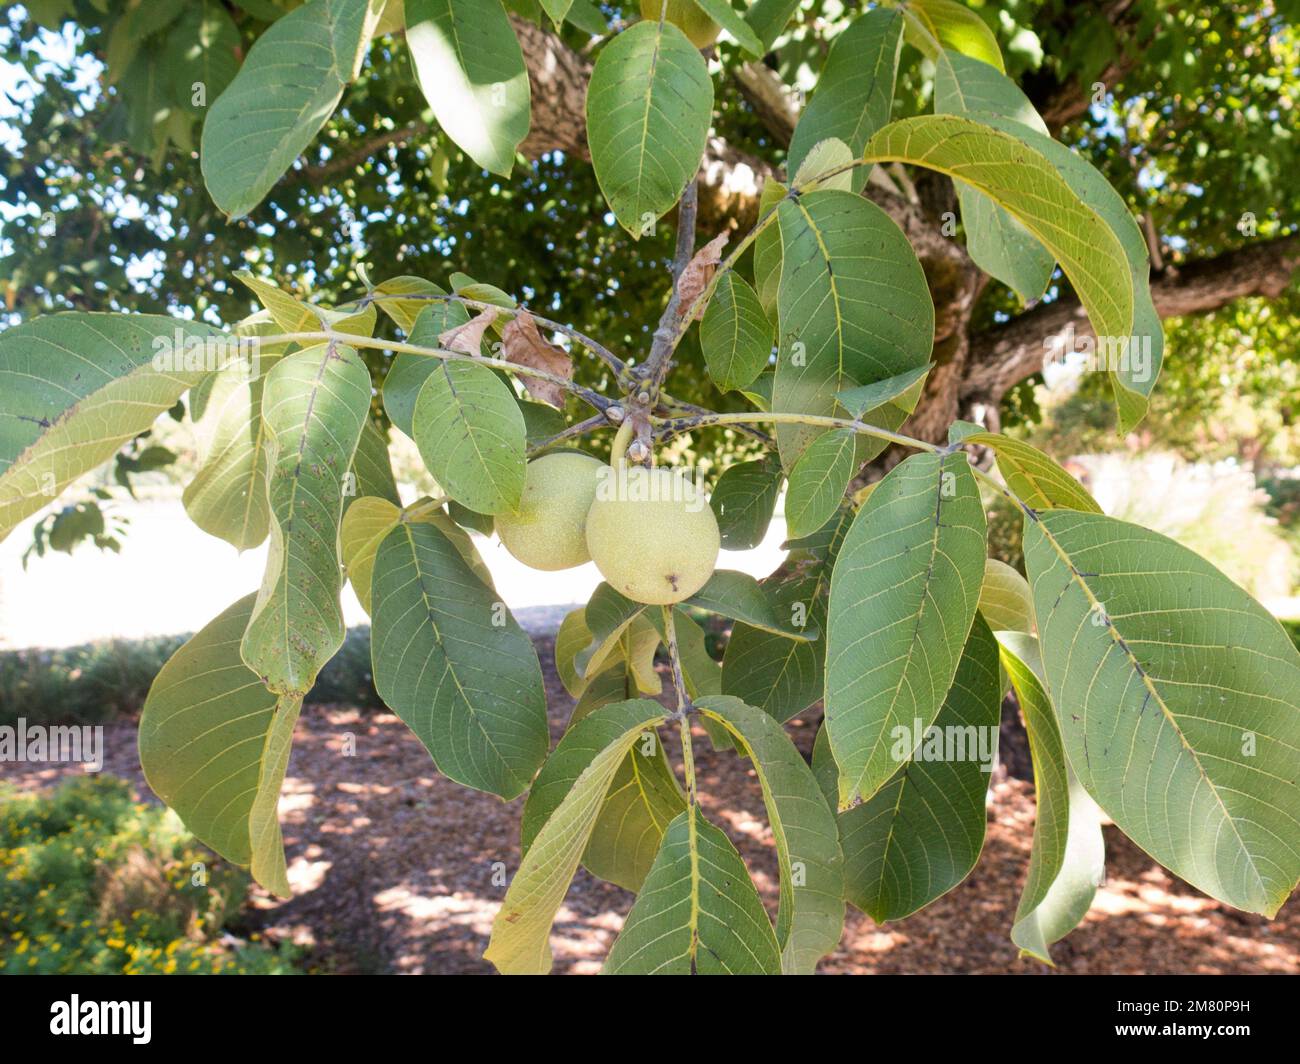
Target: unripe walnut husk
{"points": [[549, 530], [652, 534]]}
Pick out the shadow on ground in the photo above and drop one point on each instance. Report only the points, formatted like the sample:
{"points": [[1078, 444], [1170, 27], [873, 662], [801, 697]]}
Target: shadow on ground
{"points": [[396, 869]]}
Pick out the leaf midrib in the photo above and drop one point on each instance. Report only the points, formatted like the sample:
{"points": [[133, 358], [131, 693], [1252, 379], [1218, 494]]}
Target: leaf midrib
{"points": [[1096, 607]]}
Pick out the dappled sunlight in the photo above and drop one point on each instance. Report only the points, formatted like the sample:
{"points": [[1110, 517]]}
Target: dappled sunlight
{"points": [[394, 868]]}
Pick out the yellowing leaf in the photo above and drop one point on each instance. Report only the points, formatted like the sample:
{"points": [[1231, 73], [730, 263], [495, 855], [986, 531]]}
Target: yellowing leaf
{"points": [[214, 745]]}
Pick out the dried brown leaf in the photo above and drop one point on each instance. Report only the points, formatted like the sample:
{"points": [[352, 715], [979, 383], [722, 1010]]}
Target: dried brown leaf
{"points": [[468, 338], [699, 272], [525, 346]]}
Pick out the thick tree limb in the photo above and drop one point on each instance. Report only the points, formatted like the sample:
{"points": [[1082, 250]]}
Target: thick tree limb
{"points": [[1061, 103], [772, 99], [970, 371], [1002, 357], [364, 149]]}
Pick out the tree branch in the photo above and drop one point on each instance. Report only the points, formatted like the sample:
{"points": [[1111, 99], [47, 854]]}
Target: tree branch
{"points": [[771, 98], [1006, 355], [341, 164], [1062, 102], [730, 179]]}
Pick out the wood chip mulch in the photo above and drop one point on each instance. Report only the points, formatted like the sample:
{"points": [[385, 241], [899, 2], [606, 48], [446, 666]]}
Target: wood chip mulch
{"points": [[396, 869]]}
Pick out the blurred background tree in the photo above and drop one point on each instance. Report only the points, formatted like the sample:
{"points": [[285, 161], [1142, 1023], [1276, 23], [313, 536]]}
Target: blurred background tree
{"points": [[1188, 108]]}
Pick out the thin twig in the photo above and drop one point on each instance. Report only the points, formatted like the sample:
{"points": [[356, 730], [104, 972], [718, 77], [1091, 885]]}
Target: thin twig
{"points": [[688, 757], [687, 212], [674, 655], [662, 345], [701, 301], [595, 347], [673, 426], [674, 406], [594, 422], [594, 399], [419, 509]]}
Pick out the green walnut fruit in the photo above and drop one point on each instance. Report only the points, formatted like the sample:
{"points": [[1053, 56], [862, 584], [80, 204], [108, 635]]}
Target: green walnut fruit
{"points": [[687, 16], [549, 531], [652, 535]]}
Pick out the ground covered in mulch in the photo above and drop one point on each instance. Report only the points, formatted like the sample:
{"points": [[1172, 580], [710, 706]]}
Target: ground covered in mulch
{"points": [[396, 869]]}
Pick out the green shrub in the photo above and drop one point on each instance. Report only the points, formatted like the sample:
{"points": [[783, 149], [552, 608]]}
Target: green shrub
{"points": [[92, 882], [86, 685], [97, 682]]}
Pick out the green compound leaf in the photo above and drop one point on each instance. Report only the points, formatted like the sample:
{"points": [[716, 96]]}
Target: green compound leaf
{"points": [[204, 48], [778, 675], [409, 372], [1068, 860], [471, 435], [734, 23], [471, 70], [698, 912], [1037, 478], [608, 616], [1132, 357], [284, 93], [903, 597], [1176, 694], [314, 405], [227, 497], [936, 25], [819, 480], [451, 661], [903, 391], [735, 335], [75, 387], [649, 105], [644, 795], [214, 745], [567, 813], [365, 525], [1007, 163], [922, 832], [739, 596], [743, 501], [855, 91], [999, 244], [811, 917], [767, 253], [854, 309], [405, 312], [292, 314], [769, 18], [1005, 601], [372, 468]]}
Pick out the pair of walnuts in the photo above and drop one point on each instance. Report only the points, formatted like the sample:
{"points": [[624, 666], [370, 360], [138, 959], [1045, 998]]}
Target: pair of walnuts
{"points": [[650, 532]]}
